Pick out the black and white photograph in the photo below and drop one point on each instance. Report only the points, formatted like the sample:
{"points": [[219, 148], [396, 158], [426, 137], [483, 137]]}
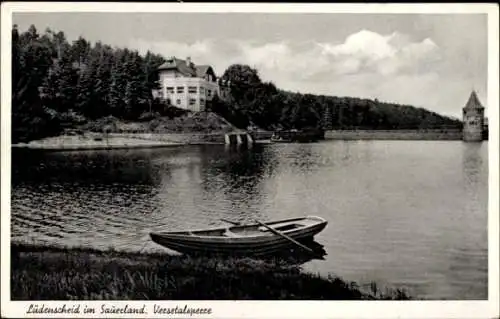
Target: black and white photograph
{"points": [[159, 158]]}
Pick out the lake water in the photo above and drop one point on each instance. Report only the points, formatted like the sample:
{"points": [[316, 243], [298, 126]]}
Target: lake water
{"points": [[408, 214]]}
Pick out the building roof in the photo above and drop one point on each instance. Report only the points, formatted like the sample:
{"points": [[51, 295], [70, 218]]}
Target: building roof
{"points": [[179, 65], [182, 66], [473, 102], [201, 70]]}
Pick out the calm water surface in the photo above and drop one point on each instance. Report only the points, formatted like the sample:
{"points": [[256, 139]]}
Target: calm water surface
{"points": [[402, 214]]}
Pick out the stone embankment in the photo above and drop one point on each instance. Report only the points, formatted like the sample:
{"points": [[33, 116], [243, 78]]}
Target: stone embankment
{"points": [[393, 135], [92, 142], [100, 141]]}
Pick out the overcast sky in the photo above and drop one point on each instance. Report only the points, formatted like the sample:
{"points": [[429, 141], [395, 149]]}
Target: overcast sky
{"points": [[431, 61]]}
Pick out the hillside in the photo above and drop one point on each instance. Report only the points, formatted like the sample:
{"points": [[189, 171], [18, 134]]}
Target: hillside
{"points": [[57, 85], [262, 103]]}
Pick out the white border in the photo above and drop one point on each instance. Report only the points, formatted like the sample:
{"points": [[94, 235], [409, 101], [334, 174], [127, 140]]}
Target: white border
{"points": [[273, 309]]}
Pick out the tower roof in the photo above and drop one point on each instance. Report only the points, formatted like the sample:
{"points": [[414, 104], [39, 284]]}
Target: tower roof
{"points": [[473, 102]]}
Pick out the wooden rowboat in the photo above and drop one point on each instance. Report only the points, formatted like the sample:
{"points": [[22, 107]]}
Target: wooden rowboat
{"points": [[251, 239]]}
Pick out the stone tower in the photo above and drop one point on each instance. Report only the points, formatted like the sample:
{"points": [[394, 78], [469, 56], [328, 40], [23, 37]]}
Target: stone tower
{"points": [[473, 117], [327, 118]]}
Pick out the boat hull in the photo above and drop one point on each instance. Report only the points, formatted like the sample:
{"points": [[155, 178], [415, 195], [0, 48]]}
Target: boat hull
{"points": [[240, 245]]}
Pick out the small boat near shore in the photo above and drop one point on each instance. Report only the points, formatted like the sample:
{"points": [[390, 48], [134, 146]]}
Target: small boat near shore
{"points": [[251, 239], [296, 136]]}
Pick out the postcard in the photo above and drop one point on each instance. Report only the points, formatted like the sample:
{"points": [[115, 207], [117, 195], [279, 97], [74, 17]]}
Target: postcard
{"points": [[204, 160]]}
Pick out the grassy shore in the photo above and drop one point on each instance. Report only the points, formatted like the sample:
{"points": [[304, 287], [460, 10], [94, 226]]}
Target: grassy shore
{"points": [[51, 273]]}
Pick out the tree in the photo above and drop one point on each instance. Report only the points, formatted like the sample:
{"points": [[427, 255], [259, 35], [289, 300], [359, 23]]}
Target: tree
{"points": [[244, 80], [31, 60]]}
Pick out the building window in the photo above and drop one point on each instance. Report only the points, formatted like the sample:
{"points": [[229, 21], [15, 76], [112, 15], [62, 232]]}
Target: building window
{"points": [[192, 89], [170, 89], [192, 101], [178, 101], [209, 93], [202, 101], [180, 89]]}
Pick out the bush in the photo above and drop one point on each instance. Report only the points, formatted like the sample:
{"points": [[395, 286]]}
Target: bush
{"points": [[172, 111], [148, 116]]}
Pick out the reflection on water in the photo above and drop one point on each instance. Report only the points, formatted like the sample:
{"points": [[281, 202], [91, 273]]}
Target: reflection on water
{"points": [[404, 214]]}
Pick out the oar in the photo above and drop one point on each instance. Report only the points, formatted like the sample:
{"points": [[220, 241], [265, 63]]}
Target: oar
{"points": [[230, 222], [277, 232]]}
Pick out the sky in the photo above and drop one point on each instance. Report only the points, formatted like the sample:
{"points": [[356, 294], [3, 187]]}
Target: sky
{"points": [[426, 60]]}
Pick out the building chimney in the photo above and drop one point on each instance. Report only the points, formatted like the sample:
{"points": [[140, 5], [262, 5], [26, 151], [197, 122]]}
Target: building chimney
{"points": [[188, 61]]}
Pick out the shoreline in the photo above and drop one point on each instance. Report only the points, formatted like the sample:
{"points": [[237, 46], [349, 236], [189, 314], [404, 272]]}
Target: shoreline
{"points": [[59, 273], [114, 141], [92, 147], [93, 141], [99, 141]]}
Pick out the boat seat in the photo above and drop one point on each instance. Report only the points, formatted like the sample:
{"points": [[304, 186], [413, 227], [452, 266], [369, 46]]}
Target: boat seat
{"points": [[229, 233]]}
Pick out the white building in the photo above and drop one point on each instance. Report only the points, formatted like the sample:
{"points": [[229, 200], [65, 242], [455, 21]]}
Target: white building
{"points": [[188, 86]]}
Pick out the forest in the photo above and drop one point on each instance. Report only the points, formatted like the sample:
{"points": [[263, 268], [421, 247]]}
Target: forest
{"points": [[253, 101], [58, 84]]}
